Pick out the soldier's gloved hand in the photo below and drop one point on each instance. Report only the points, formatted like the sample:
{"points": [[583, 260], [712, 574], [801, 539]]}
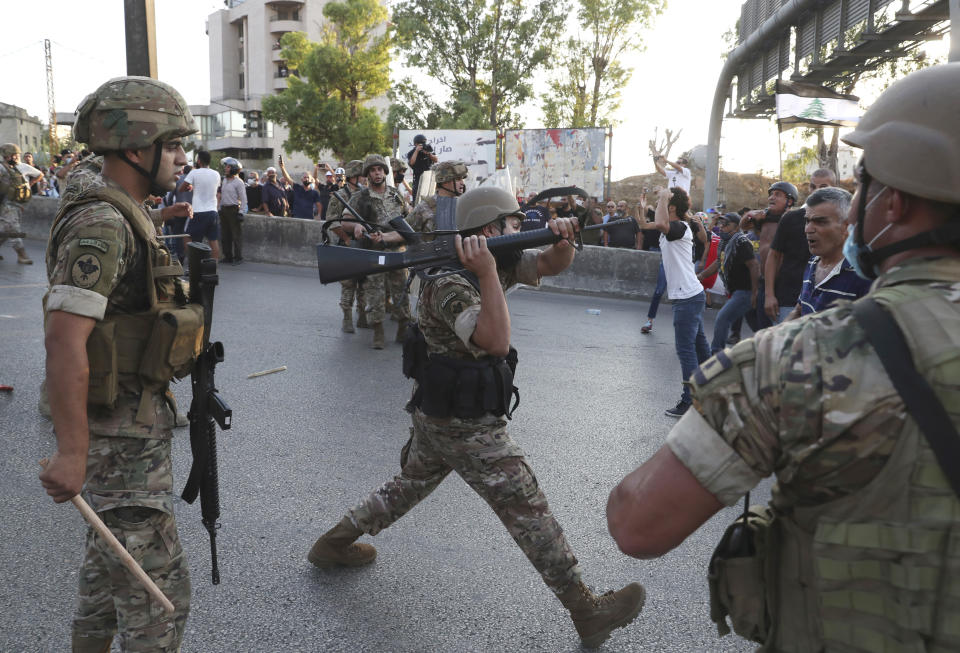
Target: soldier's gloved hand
{"points": [[473, 253]]}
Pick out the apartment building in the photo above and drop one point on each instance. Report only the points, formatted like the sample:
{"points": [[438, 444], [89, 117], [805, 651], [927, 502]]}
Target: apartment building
{"points": [[246, 65], [17, 126]]}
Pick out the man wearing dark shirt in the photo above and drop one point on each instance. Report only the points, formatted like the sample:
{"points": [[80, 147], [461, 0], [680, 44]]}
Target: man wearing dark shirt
{"points": [[788, 256], [420, 158], [306, 200], [741, 275], [627, 236], [273, 197]]}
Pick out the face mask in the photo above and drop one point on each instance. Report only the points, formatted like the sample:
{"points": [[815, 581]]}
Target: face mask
{"points": [[852, 251]]}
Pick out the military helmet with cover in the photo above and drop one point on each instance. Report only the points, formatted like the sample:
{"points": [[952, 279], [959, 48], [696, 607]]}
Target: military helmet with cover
{"points": [[911, 135], [7, 150], [131, 113], [372, 161], [397, 165], [449, 171], [353, 168], [481, 206]]}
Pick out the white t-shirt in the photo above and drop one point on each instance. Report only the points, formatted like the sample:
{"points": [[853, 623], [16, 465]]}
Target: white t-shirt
{"points": [[205, 184], [676, 250], [678, 178]]}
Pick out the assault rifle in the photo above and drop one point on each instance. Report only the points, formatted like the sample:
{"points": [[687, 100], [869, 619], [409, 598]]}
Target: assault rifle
{"points": [[208, 409], [339, 263]]}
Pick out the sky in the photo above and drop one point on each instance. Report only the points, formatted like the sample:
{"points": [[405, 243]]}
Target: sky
{"points": [[672, 87]]}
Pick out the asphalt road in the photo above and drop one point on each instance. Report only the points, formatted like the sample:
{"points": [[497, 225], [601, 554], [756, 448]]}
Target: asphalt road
{"points": [[309, 442]]}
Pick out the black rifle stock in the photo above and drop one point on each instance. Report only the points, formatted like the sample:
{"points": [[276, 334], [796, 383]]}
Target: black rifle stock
{"points": [[207, 409], [339, 263]]}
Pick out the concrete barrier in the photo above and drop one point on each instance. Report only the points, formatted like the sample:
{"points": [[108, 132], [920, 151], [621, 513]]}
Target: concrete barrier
{"points": [[291, 241]]}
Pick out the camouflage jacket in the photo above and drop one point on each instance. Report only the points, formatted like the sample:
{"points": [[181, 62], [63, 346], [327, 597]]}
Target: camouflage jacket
{"points": [[95, 267]]}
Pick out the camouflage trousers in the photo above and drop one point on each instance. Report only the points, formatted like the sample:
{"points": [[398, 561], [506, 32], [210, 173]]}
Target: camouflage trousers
{"points": [[10, 222], [129, 483], [377, 286], [349, 289], [491, 463]]}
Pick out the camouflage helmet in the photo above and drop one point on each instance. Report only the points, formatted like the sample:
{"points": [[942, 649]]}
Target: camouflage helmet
{"points": [[7, 150], [910, 136], [449, 171], [372, 161], [397, 165], [353, 168], [481, 206], [131, 113]]}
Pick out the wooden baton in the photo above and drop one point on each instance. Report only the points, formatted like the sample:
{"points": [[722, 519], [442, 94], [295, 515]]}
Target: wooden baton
{"points": [[94, 520]]}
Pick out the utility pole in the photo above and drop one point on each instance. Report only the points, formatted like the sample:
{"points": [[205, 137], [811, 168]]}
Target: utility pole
{"points": [[141, 31], [954, 36], [51, 105]]}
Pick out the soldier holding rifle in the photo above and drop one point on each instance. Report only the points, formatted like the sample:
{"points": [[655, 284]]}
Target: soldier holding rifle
{"points": [[461, 359]]}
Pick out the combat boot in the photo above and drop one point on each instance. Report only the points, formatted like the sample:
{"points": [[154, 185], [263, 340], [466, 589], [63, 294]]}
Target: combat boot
{"points": [[338, 547], [362, 319], [22, 257], [378, 335], [91, 644], [402, 329], [348, 321], [595, 617]]}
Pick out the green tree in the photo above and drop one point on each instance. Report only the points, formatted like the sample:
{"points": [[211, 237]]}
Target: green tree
{"points": [[585, 90], [485, 54], [330, 82]]}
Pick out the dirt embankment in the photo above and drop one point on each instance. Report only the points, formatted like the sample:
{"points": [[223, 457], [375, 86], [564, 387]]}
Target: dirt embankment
{"points": [[737, 190]]}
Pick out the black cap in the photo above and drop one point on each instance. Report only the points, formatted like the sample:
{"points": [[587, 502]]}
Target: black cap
{"points": [[419, 139], [732, 218]]}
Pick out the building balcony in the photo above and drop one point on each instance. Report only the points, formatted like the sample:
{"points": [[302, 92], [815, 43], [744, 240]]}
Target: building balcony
{"points": [[279, 83], [284, 26], [276, 56]]}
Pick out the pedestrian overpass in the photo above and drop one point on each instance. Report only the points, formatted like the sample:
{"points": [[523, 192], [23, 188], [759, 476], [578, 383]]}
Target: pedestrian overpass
{"points": [[821, 42]]}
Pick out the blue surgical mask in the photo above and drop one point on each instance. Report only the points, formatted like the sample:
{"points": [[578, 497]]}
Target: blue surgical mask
{"points": [[852, 251]]}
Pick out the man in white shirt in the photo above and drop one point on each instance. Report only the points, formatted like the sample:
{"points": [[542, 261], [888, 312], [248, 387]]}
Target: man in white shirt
{"points": [[205, 222], [683, 287], [679, 174]]}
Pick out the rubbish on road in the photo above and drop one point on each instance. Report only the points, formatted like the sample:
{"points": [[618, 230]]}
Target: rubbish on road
{"points": [[593, 311], [6, 388], [128, 561], [265, 372]]}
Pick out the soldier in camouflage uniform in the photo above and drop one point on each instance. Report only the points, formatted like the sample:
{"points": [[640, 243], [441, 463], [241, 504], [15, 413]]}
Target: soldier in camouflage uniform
{"points": [[378, 203], [109, 277], [14, 194], [465, 331], [449, 176], [862, 552], [349, 288]]}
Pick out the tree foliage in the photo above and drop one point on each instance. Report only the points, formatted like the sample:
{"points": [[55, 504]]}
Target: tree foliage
{"points": [[331, 81], [587, 83], [484, 53]]}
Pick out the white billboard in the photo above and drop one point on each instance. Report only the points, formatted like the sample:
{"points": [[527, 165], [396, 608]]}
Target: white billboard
{"points": [[475, 147], [539, 159]]}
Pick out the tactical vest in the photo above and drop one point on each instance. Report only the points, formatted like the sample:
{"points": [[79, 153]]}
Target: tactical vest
{"points": [[14, 187], [454, 387], [139, 352], [878, 571]]}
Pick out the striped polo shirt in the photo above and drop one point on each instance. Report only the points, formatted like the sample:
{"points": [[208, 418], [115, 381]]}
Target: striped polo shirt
{"points": [[841, 283]]}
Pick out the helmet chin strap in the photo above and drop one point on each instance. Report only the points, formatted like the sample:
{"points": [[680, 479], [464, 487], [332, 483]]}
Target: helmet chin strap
{"points": [[455, 192], [947, 235], [151, 176]]}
